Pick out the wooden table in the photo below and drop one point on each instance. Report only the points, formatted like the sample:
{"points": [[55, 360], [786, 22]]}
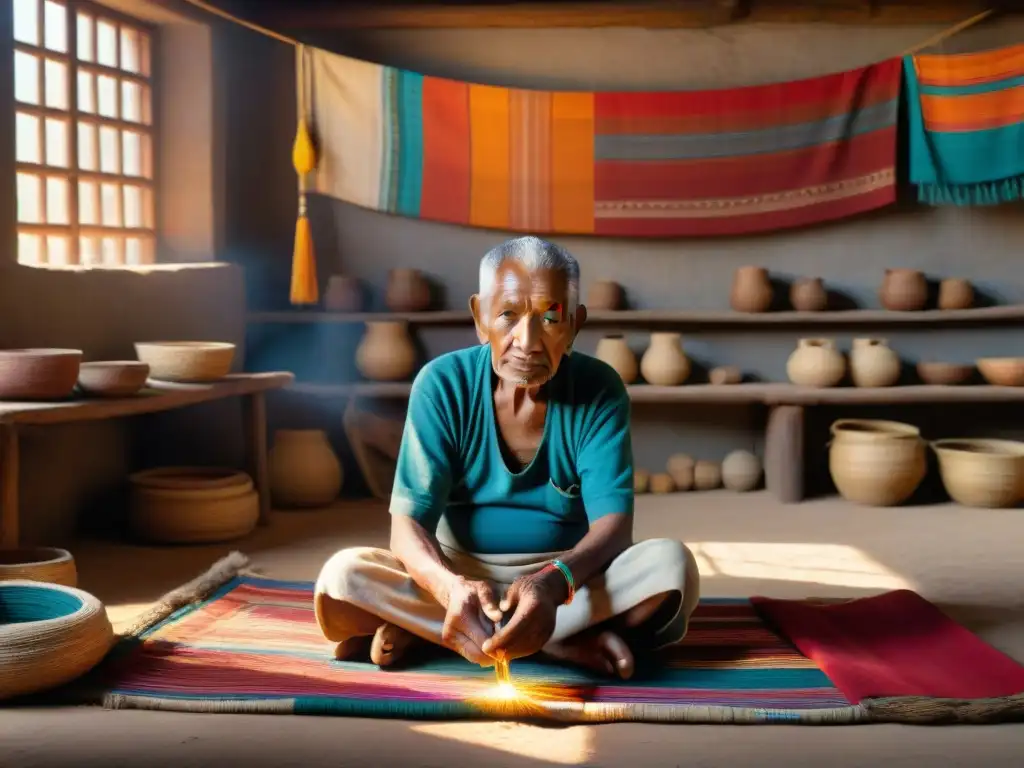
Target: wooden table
{"points": [[157, 396]]}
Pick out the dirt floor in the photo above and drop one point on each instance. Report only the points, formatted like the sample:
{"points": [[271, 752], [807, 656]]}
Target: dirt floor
{"points": [[971, 562]]}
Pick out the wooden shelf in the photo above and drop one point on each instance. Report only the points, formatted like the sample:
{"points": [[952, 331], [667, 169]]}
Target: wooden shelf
{"points": [[759, 393], [697, 318]]}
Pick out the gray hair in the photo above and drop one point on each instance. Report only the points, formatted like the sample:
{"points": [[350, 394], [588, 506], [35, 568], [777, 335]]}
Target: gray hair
{"points": [[534, 253]]}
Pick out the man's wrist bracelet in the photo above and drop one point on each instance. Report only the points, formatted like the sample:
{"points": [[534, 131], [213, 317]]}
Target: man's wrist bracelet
{"points": [[570, 583]]}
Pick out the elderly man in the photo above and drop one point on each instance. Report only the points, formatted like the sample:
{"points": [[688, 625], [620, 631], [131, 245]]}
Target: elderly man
{"points": [[512, 508]]}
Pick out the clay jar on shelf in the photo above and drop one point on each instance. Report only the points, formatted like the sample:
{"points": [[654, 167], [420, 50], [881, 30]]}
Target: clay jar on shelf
{"points": [[751, 290], [816, 363], [664, 363], [808, 294], [904, 290], [407, 291], [304, 470], [616, 352], [386, 352], [605, 296], [344, 294], [873, 364], [956, 293]]}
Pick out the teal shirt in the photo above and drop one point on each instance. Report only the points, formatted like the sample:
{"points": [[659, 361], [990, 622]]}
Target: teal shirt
{"points": [[452, 478]]}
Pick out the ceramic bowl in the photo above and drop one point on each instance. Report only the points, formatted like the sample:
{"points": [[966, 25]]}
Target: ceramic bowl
{"points": [[112, 378], [38, 374], [982, 473], [1002, 371], [944, 373]]}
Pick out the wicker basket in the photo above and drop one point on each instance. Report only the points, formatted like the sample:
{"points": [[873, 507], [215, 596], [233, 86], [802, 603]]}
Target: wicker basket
{"points": [[47, 564], [182, 505], [982, 473], [49, 636], [876, 463], [186, 361]]}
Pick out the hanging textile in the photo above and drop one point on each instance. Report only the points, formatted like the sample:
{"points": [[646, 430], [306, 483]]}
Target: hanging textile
{"points": [[966, 123], [668, 164]]}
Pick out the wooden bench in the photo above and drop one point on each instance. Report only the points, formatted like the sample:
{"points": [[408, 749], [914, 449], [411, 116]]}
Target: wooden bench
{"points": [[158, 396]]}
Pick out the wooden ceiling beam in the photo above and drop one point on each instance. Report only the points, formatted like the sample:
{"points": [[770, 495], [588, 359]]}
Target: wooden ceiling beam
{"points": [[664, 14]]}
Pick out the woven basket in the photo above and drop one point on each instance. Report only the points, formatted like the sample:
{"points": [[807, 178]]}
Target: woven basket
{"points": [[47, 564], [876, 463], [182, 505], [186, 361], [982, 473], [49, 636]]}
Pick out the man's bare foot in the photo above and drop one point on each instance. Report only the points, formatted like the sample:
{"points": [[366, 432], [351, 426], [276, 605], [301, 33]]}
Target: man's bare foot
{"points": [[352, 648], [600, 651], [390, 644]]}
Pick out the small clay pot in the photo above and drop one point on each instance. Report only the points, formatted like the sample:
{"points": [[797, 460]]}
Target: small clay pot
{"points": [[956, 293], [605, 296], [680, 469], [343, 294], [816, 363], [707, 475], [726, 374], [408, 291], [665, 363], [808, 294], [616, 352], [873, 363], [641, 481], [904, 290], [751, 290], [944, 374], [662, 483]]}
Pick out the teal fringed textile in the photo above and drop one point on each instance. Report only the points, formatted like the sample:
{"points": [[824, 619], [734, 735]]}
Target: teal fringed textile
{"points": [[966, 126]]}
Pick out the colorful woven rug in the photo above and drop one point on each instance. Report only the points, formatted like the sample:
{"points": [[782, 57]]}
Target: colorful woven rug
{"points": [[657, 164], [966, 124], [232, 643]]}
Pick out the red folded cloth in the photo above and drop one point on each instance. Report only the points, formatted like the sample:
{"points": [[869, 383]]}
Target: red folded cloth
{"points": [[896, 644]]}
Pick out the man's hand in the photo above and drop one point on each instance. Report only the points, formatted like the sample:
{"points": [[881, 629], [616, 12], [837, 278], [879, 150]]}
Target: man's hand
{"points": [[534, 600], [472, 610]]}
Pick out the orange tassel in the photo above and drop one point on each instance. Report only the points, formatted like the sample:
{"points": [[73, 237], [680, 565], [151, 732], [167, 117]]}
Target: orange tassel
{"points": [[305, 289]]}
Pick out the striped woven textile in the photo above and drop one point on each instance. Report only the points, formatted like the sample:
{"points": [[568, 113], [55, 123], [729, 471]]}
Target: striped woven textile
{"points": [[254, 646], [658, 164], [966, 123]]}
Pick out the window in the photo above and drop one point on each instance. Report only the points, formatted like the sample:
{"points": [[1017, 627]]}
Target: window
{"points": [[84, 135]]}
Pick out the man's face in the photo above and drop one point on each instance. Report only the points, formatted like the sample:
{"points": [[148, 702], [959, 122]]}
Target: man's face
{"points": [[526, 321]]}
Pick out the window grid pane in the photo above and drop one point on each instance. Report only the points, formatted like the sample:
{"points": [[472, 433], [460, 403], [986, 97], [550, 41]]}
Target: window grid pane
{"points": [[84, 194]]}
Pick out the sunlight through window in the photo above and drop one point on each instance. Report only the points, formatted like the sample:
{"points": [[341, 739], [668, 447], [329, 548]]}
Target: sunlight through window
{"points": [[568, 746]]}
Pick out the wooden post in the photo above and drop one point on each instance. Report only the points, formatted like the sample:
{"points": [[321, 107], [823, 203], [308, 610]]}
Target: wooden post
{"points": [[784, 453], [254, 415], [9, 476]]}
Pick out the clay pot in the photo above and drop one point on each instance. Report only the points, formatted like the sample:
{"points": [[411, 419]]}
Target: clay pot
{"points": [[873, 364], [947, 374], [816, 363], [680, 468], [605, 296], [344, 294], [956, 293], [616, 352], [662, 483], [386, 352], [304, 472], [808, 294], [726, 374], [47, 564], [707, 475], [407, 291], [751, 290], [1002, 371], [877, 463], [641, 481], [741, 471], [38, 374], [904, 290], [982, 473], [664, 363]]}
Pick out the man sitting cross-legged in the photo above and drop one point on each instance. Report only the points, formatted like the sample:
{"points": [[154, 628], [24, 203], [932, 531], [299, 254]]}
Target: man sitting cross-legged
{"points": [[513, 499]]}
